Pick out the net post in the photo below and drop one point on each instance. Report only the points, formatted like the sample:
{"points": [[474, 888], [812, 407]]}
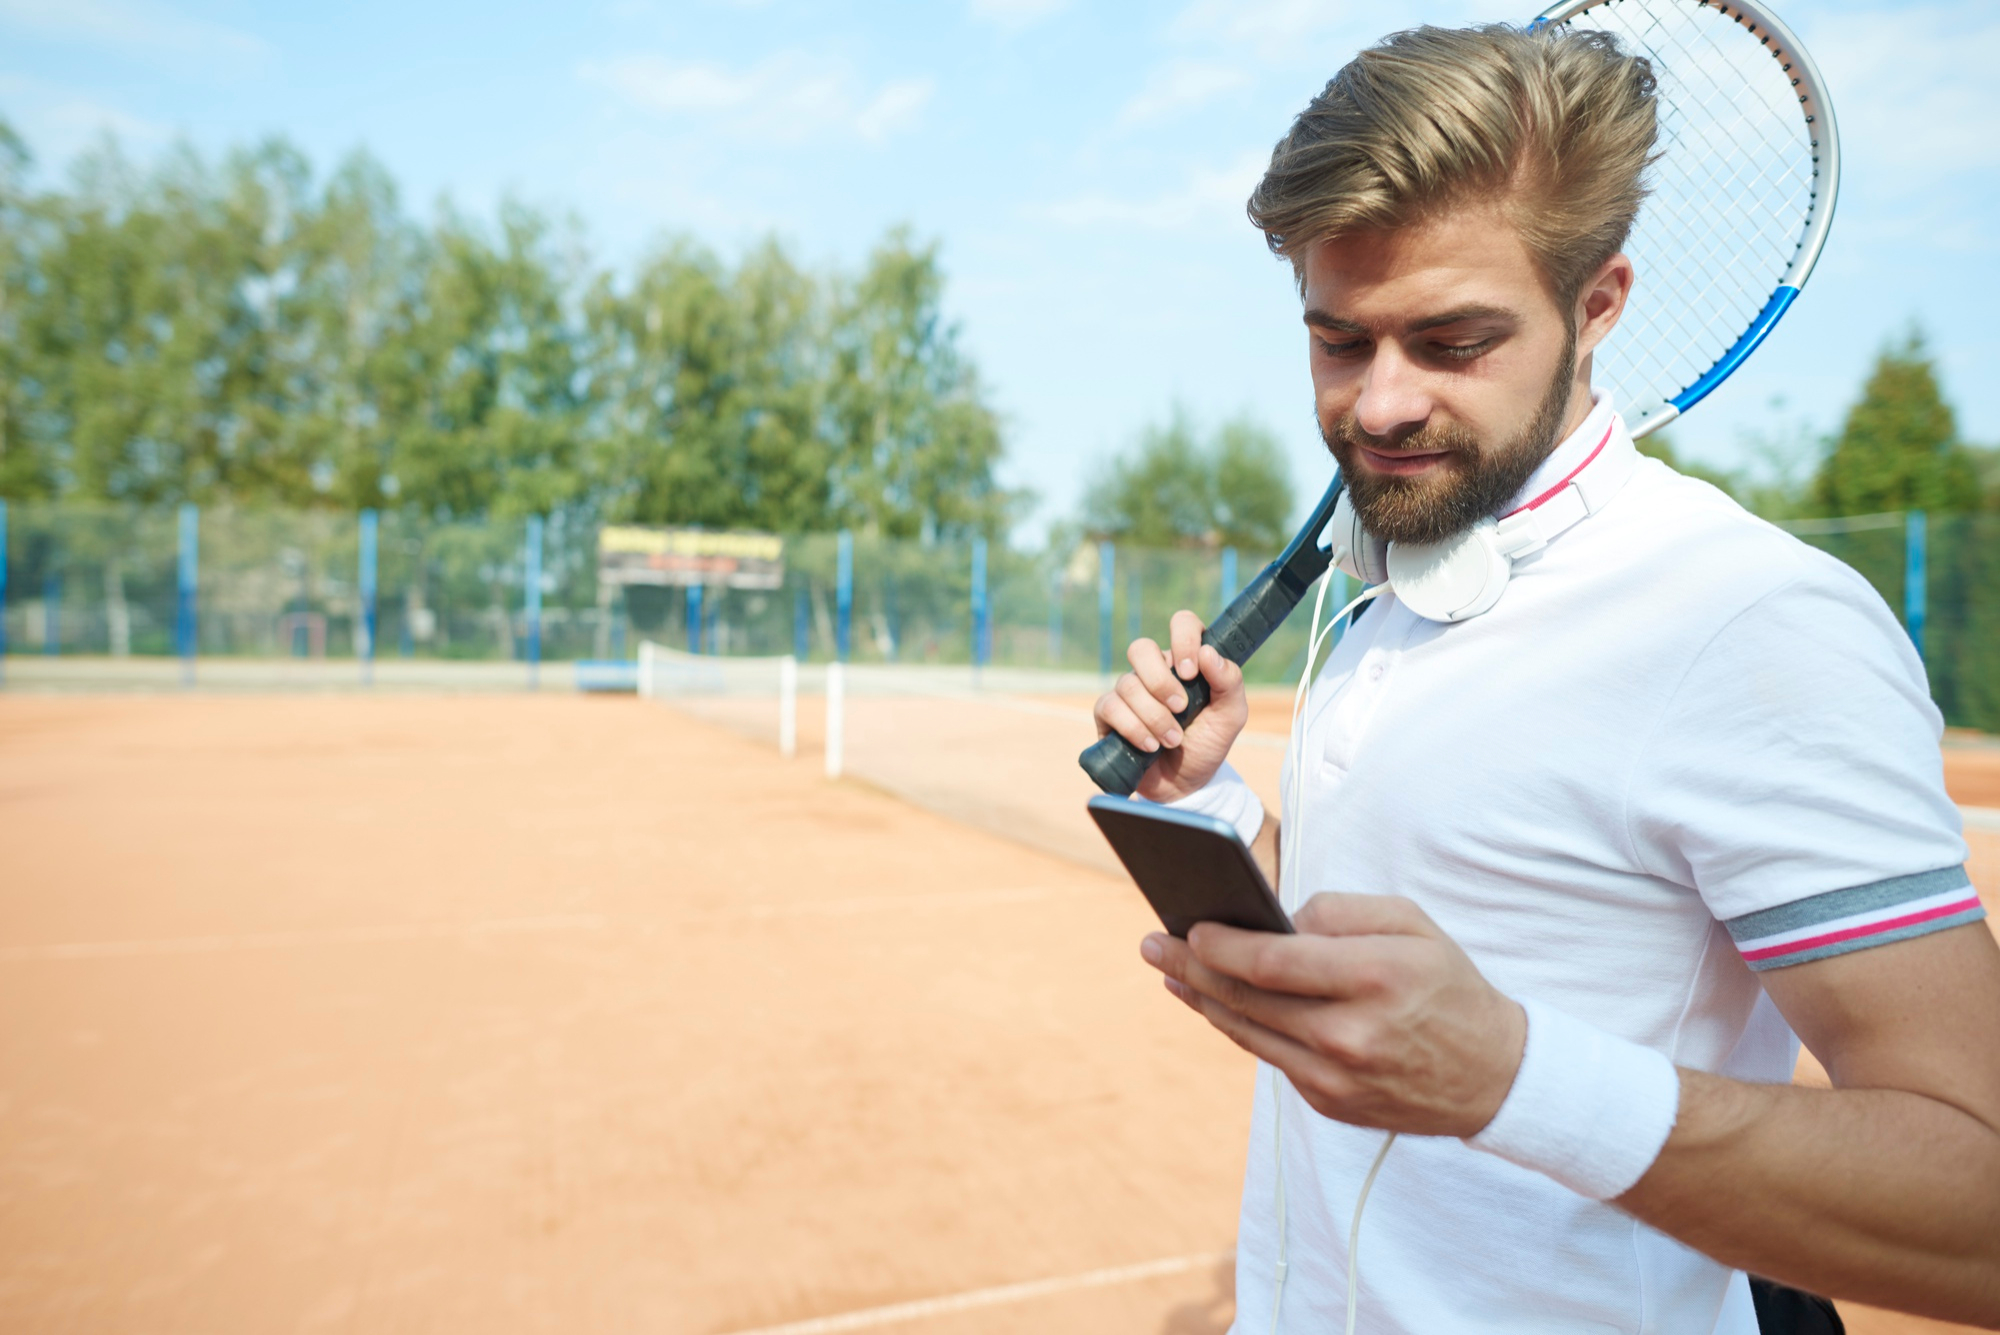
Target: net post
{"points": [[693, 598], [365, 642], [836, 717], [646, 652], [188, 590], [1107, 586], [1915, 575], [843, 631], [788, 706], [534, 600]]}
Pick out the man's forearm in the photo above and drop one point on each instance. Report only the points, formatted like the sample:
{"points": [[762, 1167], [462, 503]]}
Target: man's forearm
{"points": [[1878, 1195]]}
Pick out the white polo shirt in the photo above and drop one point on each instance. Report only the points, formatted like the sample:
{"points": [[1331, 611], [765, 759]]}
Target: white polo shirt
{"points": [[1684, 746]]}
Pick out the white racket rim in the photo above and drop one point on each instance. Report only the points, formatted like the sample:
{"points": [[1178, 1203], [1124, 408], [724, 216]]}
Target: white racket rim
{"points": [[1823, 135]]}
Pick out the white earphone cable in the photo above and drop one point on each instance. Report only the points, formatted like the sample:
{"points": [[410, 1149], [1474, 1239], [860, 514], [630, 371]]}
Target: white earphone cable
{"points": [[1289, 835]]}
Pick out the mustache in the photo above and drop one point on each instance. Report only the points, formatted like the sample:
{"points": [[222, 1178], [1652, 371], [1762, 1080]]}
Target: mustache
{"points": [[1448, 437]]}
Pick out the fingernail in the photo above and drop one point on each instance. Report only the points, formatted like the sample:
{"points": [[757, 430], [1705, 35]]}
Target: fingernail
{"points": [[1187, 668], [1151, 950], [1178, 703], [1173, 736], [1149, 745]]}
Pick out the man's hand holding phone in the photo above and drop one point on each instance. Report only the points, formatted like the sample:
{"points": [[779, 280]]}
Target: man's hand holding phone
{"points": [[1142, 705]]}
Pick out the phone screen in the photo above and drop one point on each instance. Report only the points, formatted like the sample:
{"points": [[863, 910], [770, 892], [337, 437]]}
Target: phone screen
{"points": [[1191, 868]]}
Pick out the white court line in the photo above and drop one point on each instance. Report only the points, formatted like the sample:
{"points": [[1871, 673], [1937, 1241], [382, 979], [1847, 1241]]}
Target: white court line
{"points": [[335, 936], [1006, 1293]]}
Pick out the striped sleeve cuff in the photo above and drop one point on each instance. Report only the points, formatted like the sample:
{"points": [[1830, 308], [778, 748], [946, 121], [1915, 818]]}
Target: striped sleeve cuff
{"points": [[1856, 918]]}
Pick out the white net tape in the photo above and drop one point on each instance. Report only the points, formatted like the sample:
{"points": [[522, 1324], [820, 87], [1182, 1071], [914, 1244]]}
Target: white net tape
{"points": [[1730, 195]]}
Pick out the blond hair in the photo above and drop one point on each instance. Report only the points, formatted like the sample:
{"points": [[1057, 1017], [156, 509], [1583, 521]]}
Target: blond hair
{"points": [[1556, 125]]}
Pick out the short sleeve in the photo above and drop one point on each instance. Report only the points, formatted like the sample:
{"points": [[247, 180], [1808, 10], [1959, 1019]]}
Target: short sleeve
{"points": [[1795, 781]]}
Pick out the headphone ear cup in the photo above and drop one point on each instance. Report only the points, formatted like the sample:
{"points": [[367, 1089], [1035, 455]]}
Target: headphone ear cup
{"points": [[1356, 551], [1453, 580]]}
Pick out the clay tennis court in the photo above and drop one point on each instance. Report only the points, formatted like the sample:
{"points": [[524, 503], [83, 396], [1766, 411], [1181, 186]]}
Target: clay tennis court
{"points": [[516, 1013]]}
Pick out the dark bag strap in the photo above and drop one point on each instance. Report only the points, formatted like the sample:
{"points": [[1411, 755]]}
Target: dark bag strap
{"points": [[1786, 1311]]}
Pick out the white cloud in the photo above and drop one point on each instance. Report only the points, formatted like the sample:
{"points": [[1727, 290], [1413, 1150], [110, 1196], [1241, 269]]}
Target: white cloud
{"points": [[1179, 86], [1016, 14], [60, 122], [791, 97], [1208, 196], [141, 27]]}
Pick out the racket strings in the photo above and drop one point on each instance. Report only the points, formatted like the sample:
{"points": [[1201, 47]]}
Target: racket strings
{"points": [[1730, 196]]}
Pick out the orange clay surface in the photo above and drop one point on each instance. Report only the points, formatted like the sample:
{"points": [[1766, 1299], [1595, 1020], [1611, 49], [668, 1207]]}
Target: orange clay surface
{"points": [[546, 1013]]}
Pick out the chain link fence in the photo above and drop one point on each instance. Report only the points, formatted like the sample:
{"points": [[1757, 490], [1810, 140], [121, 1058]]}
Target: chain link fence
{"points": [[106, 582]]}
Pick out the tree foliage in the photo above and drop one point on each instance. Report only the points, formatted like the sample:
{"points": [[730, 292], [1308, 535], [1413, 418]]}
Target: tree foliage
{"points": [[1176, 490], [1899, 447], [241, 331]]}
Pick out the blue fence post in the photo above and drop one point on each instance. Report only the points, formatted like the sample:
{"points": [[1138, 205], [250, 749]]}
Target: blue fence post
{"points": [[187, 593], [801, 625], [694, 618], [51, 608], [889, 616], [1135, 620], [1107, 586], [533, 591], [1055, 618], [1228, 574], [1915, 576], [365, 642], [843, 598], [3, 592], [980, 644]]}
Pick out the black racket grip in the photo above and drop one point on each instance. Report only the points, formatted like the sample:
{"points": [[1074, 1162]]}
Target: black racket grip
{"points": [[1116, 766]]}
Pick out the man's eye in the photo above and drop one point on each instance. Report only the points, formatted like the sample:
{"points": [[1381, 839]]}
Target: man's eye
{"points": [[1345, 348], [1463, 352]]}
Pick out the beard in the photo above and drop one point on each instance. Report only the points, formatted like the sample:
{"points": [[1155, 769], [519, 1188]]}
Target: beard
{"points": [[1468, 483]]}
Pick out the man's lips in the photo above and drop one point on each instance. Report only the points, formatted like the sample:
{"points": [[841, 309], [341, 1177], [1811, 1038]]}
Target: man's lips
{"points": [[1401, 463]]}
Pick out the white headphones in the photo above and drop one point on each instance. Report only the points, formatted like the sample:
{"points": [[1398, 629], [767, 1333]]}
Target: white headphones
{"points": [[1463, 576]]}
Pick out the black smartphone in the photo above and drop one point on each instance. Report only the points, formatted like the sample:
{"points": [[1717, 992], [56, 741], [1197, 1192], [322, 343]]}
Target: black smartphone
{"points": [[1190, 868]]}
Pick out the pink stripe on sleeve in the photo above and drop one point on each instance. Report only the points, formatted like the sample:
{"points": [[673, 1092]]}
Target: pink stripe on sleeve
{"points": [[1971, 901]]}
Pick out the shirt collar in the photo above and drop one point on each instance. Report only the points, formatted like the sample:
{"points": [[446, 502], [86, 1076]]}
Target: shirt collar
{"points": [[1576, 447]]}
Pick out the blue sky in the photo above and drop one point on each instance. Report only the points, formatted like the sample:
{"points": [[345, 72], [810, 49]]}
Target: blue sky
{"points": [[1083, 165]]}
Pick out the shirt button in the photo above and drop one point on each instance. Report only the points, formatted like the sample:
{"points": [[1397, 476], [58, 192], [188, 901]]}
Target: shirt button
{"points": [[1375, 673]]}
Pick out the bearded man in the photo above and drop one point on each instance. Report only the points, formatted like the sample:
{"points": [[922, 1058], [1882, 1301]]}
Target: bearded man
{"points": [[1575, 871]]}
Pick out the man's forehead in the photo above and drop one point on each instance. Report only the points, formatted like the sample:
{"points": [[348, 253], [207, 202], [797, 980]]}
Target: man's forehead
{"points": [[1420, 277]]}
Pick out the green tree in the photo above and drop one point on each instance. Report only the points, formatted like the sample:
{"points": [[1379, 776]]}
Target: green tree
{"points": [[1178, 491], [913, 440], [710, 386], [1899, 447]]}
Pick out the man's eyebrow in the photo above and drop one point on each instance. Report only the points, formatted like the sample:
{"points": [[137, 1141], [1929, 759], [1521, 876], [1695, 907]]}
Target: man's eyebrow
{"points": [[1463, 314], [1319, 319]]}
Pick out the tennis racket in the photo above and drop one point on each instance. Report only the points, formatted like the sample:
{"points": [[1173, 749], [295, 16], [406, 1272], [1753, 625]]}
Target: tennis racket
{"points": [[1740, 201]]}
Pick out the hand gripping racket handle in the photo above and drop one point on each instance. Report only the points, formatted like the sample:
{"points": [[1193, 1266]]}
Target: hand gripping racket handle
{"points": [[1114, 764]]}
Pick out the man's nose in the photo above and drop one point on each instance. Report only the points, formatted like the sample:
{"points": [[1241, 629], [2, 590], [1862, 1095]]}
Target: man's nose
{"points": [[1394, 401]]}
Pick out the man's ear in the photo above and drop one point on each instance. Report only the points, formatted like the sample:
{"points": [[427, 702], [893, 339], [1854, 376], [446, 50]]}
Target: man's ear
{"points": [[1601, 302]]}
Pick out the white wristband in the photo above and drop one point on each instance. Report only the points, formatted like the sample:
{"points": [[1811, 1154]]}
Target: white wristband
{"points": [[1589, 1109], [1226, 796]]}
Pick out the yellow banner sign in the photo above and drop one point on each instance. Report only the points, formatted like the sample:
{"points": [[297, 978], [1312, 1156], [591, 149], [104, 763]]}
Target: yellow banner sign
{"points": [[632, 554]]}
